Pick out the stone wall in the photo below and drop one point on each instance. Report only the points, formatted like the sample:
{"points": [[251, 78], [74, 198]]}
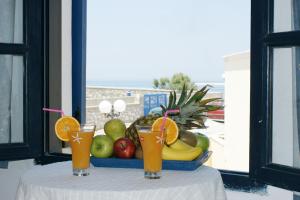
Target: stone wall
{"points": [[133, 97]]}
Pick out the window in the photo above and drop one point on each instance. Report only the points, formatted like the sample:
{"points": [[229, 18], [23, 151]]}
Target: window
{"points": [[21, 79], [182, 42], [78, 37], [275, 93], [274, 90], [130, 44]]}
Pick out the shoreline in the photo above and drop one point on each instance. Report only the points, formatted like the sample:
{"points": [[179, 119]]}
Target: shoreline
{"points": [[213, 90]]}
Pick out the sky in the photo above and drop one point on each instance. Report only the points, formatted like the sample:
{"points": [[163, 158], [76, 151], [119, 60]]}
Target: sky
{"points": [[139, 40]]}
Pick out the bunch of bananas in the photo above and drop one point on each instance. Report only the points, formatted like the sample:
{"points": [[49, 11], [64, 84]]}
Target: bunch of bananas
{"points": [[180, 151]]}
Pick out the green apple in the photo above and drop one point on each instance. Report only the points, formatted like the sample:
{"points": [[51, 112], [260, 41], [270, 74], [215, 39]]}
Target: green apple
{"points": [[115, 129], [202, 141], [102, 146]]}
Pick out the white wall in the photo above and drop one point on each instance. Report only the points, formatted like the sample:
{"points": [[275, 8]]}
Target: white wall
{"points": [[66, 55], [237, 111], [60, 64], [237, 103]]}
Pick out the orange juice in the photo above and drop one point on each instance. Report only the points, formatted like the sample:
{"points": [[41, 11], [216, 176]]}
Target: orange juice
{"points": [[80, 142], [152, 144]]}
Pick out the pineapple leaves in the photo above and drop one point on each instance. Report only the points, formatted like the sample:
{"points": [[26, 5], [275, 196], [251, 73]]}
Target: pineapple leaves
{"points": [[164, 109], [188, 110], [206, 87], [193, 107], [190, 94], [213, 107], [174, 100], [170, 101], [197, 97], [206, 101], [179, 120], [182, 96]]}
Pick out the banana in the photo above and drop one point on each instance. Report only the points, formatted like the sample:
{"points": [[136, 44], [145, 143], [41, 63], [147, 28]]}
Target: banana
{"points": [[180, 145], [184, 155]]}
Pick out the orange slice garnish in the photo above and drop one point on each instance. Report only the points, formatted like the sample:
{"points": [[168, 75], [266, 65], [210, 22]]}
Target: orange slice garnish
{"points": [[171, 129], [64, 126]]}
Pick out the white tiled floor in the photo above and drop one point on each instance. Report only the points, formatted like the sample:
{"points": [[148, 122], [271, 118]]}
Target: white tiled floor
{"points": [[272, 193]]}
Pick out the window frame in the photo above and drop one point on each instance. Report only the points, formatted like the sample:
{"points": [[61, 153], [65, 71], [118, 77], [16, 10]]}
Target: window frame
{"points": [[78, 76], [79, 17], [232, 179], [32, 50], [263, 39]]}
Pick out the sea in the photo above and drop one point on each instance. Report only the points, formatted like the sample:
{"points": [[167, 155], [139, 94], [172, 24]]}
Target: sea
{"points": [[216, 86]]}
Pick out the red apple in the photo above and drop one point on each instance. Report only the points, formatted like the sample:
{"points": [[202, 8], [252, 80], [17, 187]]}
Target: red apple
{"points": [[124, 148]]}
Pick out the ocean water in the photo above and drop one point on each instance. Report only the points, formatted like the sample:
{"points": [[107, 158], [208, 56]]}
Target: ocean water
{"points": [[121, 84], [216, 86]]}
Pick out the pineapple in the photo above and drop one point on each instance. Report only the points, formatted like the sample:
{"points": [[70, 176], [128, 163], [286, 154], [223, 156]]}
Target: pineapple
{"points": [[193, 107], [131, 131], [193, 111]]}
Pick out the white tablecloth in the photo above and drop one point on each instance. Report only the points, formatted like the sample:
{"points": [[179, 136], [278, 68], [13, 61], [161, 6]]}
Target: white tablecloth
{"points": [[56, 182]]}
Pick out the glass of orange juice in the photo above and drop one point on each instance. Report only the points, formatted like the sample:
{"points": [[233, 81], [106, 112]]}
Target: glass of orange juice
{"points": [[80, 142], [152, 143]]}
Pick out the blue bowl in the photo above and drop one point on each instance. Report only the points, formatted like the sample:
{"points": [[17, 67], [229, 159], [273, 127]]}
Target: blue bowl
{"points": [[138, 164]]}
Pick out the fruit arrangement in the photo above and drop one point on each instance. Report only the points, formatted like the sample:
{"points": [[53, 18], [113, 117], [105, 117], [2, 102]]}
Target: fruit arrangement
{"points": [[193, 108], [180, 144], [185, 149], [114, 142]]}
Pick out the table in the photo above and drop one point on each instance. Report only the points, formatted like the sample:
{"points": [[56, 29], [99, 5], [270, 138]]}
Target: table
{"points": [[56, 182]]}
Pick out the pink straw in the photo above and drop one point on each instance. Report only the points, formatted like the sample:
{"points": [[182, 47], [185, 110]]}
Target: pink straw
{"points": [[162, 127], [54, 110]]}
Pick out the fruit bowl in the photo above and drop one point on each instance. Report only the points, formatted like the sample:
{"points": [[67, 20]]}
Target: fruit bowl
{"points": [[137, 163]]}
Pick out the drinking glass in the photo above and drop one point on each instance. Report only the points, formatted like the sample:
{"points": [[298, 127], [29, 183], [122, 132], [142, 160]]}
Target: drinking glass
{"points": [[80, 142], [152, 143]]}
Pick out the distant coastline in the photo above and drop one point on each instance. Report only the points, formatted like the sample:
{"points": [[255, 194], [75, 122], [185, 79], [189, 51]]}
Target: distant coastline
{"points": [[216, 86]]}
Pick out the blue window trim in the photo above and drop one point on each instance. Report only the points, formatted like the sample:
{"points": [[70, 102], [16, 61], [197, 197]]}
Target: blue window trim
{"points": [[231, 179], [79, 8]]}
